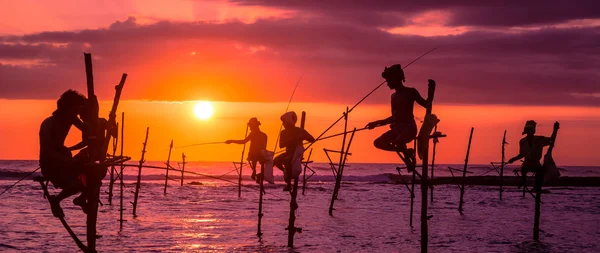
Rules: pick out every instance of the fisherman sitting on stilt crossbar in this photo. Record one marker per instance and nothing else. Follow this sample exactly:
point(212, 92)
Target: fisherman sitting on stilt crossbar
point(291, 138)
point(403, 128)
point(58, 166)
point(258, 148)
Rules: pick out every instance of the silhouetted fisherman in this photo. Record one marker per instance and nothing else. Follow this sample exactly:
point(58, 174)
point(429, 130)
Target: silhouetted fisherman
point(291, 138)
point(56, 161)
point(403, 128)
point(530, 148)
point(258, 147)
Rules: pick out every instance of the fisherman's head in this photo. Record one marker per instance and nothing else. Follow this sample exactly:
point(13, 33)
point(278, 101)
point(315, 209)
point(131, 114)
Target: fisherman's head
point(70, 103)
point(394, 76)
point(529, 128)
point(253, 123)
point(289, 119)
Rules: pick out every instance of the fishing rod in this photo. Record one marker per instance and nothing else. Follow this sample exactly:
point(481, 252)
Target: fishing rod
point(286, 110)
point(368, 94)
point(189, 172)
point(23, 178)
point(199, 144)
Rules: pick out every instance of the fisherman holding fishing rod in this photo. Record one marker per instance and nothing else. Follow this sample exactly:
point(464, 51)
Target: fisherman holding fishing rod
point(258, 147)
point(291, 138)
point(403, 128)
point(531, 148)
point(56, 161)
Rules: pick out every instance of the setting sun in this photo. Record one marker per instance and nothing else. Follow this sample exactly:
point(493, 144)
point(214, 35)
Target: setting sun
point(203, 110)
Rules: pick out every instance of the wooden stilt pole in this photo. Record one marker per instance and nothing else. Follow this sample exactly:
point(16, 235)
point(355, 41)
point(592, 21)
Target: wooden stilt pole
point(242, 165)
point(95, 146)
point(502, 166)
point(121, 185)
point(338, 176)
point(260, 199)
point(435, 141)
point(292, 229)
point(112, 171)
point(305, 167)
point(182, 167)
point(462, 188)
point(168, 166)
point(539, 182)
point(139, 176)
point(424, 180)
point(412, 188)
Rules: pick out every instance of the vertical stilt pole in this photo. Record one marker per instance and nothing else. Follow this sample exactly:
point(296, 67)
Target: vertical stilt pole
point(424, 180)
point(305, 167)
point(539, 182)
point(112, 171)
point(93, 187)
point(260, 199)
point(139, 176)
point(121, 185)
point(502, 166)
point(182, 167)
point(242, 165)
point(433, 161)
point(168, 166)
point(462, 188)
point(412, 187)
point(338, 176)
point(292, 229)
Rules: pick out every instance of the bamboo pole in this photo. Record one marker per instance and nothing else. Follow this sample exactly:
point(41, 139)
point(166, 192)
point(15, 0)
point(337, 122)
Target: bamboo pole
point(433, 161)
point(93, 191)
point(424, 180)
point(242, 165)
point(305, 167)
point(502, 166)
point(260, 198)
point(412, 186)
point(462, 188)
point(182, 167)
point(139, 176)
point(539, 182)
point(292, 229)
point(112, 171)
point(168, 167)
point(121, 185)
point(338, 176)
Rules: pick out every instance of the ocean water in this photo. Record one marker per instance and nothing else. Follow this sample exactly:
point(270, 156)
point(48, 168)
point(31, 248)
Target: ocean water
point(372, 215)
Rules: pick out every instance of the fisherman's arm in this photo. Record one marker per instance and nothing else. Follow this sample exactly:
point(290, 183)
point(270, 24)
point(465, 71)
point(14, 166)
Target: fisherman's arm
point(78, 146)
point(378, 123)
point(419, 99)
point(308, 137)
point(244, 141)
point(284, 139)
point(519, 156)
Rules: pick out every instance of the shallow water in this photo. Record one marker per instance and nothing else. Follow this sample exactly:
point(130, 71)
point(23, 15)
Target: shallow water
point(369, 217)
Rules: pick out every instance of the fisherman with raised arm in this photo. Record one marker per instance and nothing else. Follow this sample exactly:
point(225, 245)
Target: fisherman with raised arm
point(403, 128)
point(291, 138)
point(530, 148)
point(258, 147)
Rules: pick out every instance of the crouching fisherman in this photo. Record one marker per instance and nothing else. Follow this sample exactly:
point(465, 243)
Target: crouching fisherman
point(56, 161)
point(258, 147)
point(291, 138)
point(403, 128)
point(531, 148)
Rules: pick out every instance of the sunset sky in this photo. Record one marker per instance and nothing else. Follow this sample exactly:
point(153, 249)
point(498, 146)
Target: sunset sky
point(499, 65)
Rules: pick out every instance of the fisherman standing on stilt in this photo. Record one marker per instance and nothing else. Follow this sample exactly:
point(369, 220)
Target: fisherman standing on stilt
point(291, 138)
point(403, 128)
point(56, 161)
point(258, 147)
point(530, 148)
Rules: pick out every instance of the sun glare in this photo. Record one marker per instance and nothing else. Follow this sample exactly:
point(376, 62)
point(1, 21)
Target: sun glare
point(203, 110)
